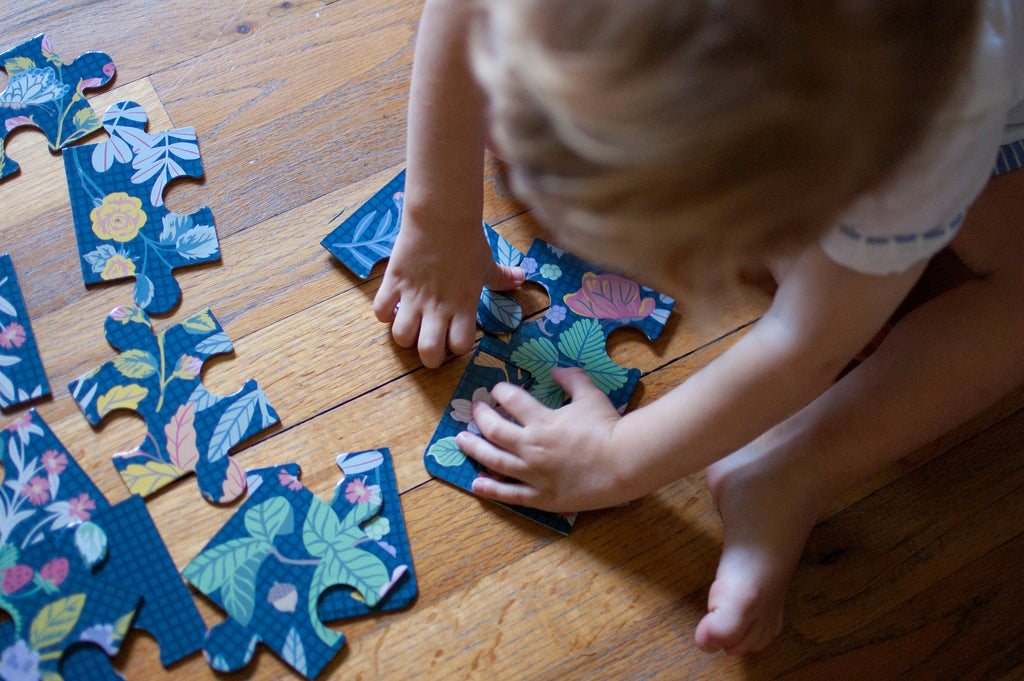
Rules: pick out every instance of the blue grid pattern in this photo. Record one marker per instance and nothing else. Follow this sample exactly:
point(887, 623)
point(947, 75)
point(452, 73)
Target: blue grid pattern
point(22, 378)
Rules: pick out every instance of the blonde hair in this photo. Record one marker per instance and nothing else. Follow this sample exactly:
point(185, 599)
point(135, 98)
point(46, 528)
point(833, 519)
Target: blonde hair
point(654, 135)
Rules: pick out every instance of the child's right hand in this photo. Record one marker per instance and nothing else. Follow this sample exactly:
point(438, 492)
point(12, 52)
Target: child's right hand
point(433, 281)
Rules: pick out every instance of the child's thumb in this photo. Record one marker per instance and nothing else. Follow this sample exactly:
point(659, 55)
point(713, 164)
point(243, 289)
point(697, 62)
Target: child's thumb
point(504, 278)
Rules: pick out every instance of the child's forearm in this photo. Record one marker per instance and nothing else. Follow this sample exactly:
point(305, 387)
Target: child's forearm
point(447, 123)
point(822, 315)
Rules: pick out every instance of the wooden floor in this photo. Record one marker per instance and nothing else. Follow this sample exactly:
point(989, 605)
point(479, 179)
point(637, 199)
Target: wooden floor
point(300, 111)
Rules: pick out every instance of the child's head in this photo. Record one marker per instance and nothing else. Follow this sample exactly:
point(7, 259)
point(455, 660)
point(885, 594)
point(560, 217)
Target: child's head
point(656, 134)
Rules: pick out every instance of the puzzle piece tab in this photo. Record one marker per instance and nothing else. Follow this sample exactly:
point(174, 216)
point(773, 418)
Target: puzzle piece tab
point(287, 559)
point(122, 225)
point(188, 428)
point(586, 305)
point(368, 235)
point(44, 92)
point(45, 499)
point(22, 378)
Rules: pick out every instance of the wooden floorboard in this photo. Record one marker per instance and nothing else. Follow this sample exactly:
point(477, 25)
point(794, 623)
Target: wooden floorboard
point(300, 111)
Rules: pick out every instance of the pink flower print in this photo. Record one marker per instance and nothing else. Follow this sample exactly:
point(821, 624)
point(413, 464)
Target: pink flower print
point(37, 490)
point(609, 296)
point(188, 367)
point(87, 83)
point(55, 571)
point(121, 313)
point(108, 69)
point(12, 336)
point(80, 508)
point(462, 409)
point(23, 422)
point(15, 121)
point(54, 462)
point(358, 492)
point(289, 481)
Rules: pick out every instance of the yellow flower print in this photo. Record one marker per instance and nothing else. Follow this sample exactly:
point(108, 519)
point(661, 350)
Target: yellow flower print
point(117, 267)
point(118, 218)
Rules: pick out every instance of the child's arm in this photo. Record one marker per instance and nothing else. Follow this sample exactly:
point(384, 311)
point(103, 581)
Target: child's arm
point(441, 258)
point(585, 456)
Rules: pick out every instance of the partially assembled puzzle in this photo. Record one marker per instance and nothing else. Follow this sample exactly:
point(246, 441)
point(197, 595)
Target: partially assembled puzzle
point(288, 561)
point(22, 378)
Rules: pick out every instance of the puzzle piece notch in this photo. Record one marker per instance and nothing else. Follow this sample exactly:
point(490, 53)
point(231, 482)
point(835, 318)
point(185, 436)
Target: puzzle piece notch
point(44, 92)
point(122, 226)
point(586, 305)
point(280, 558)
point(60, 600)
point(188, 428)
point(368, 235)
point(22, 378)
point(46, 493)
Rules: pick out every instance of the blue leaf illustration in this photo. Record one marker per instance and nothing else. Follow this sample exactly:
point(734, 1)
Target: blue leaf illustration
point(216, 344)
point(369, 243)
point(504, 252)
point(498, 313)
point(198, 242)
point(173, 225)
point(293, 652)
point(232, 426)
point(143, 294)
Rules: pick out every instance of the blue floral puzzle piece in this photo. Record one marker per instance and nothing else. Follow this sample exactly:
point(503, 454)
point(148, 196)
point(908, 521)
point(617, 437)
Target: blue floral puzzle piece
point(44, 92)
point(368, 235)
point(122, 225)
point(45, 492)
point(61, 597)
point(22, 378)
point(272, 563)
point(586, 305)
point(188, 428)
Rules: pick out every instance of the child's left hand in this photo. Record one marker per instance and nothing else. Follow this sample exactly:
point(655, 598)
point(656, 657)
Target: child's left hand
point(564, 459)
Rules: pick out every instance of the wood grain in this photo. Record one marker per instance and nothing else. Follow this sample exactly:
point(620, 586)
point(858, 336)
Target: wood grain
point(300, 111)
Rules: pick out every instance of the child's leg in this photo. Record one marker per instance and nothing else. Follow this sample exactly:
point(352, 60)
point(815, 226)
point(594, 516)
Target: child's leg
point(940, 365)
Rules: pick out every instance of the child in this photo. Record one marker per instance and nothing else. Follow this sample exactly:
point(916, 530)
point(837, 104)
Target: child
point(839, 142)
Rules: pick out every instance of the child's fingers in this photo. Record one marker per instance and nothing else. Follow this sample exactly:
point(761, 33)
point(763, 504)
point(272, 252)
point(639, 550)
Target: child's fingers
point(385, 303)
point(575, 381)
point(504, 278)
point(489, 455)
point(496, 428)
point(433, 335)
point(523, 406)
point(516, 494)
point(462, 333)
point(406, 325)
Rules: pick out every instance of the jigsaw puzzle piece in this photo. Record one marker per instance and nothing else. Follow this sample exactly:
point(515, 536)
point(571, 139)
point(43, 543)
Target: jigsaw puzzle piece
point(368, 235)
point(443, 459)
point(44, 92)
point(269, 566)
point(22, 378)
point(62, 599)
point(121, 223)
point(45, 493)
point(586, 305)
point(188, 428)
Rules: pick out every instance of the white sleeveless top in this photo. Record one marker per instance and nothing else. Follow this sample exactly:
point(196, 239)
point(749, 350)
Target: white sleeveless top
point(918, 211)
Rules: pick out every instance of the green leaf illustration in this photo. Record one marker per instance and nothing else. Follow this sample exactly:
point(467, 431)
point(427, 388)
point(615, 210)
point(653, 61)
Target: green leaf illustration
point(447, 453)
point(8, 556)
point(18, 64)
point(238, 592)
point(91, 542)
point(537, 355)
point(270, 519)
point(321, 529)
point(583, 344)
point(137, 364)
point(213, 567)
point(55, 621)
point(293, 652)
point(359, 569)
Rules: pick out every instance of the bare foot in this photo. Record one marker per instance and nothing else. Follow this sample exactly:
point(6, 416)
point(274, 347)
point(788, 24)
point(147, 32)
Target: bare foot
point(766, 518)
